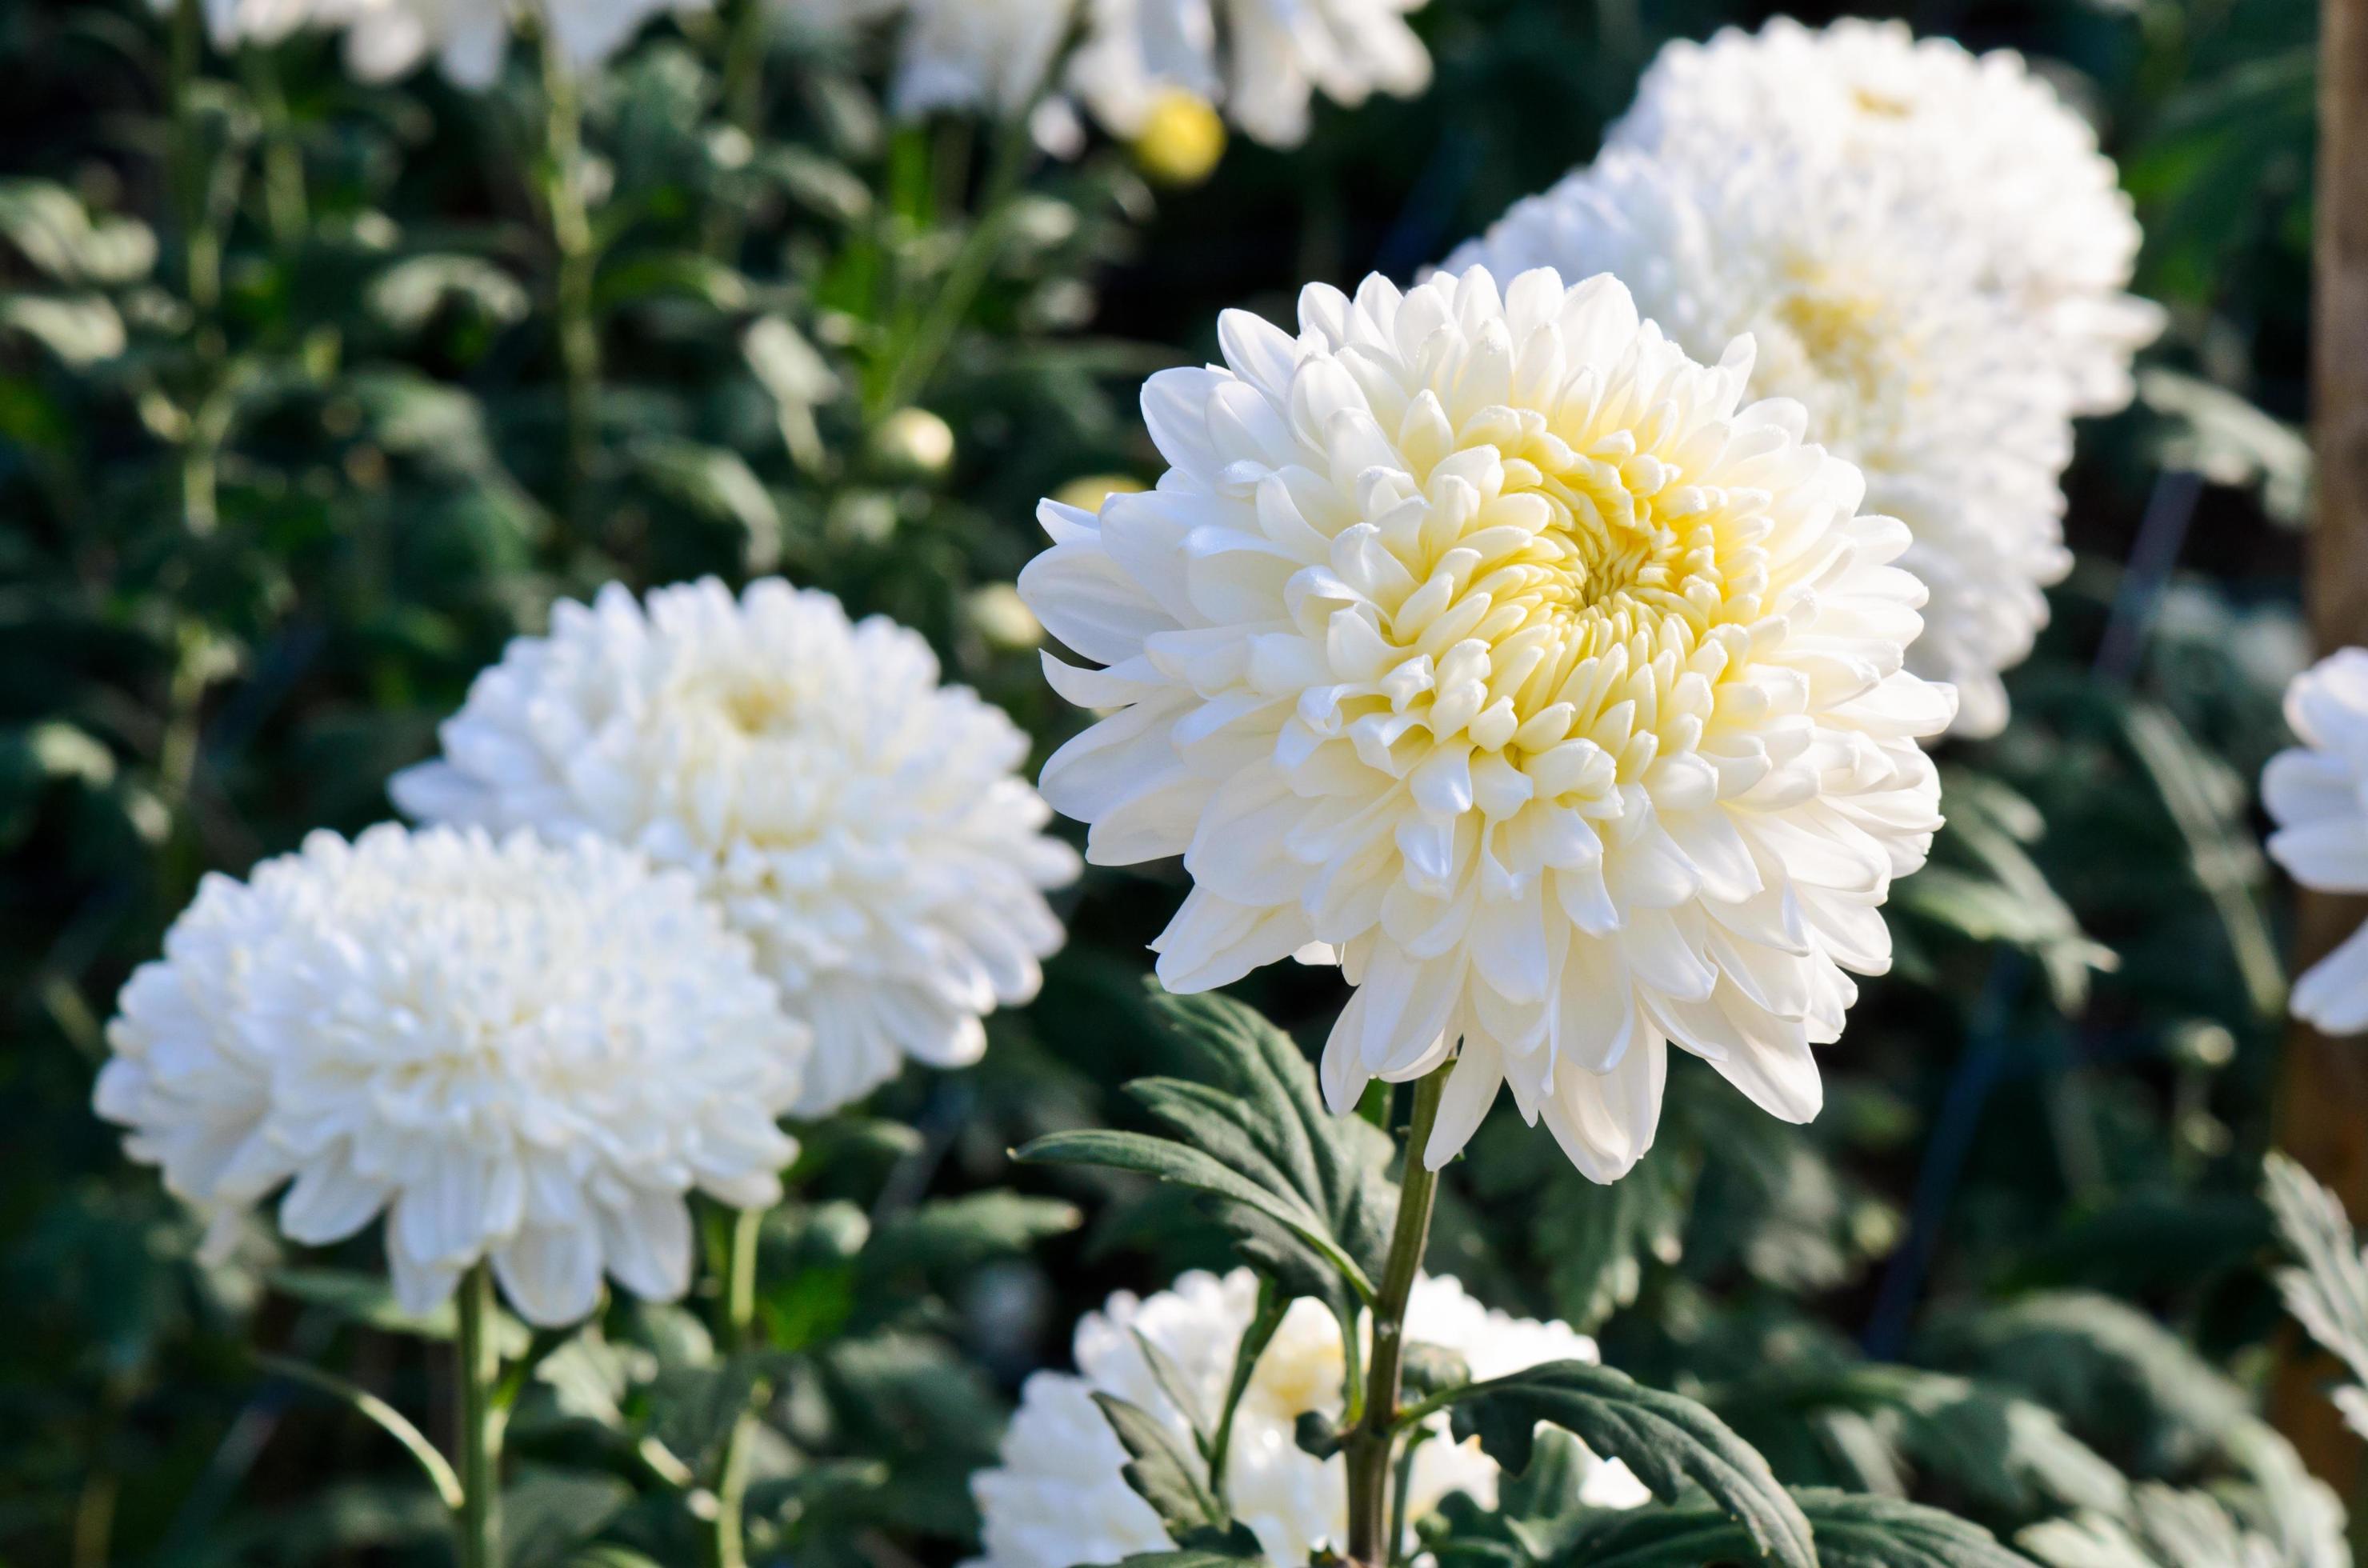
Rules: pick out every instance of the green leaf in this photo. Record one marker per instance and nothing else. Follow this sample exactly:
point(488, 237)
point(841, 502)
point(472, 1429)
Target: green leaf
point(82, 330)
point(1230, 1553)
point(547, 1513)
point(1303, 1192)
point(51, 229)
point(717, 484)
point(368, 1299)
point(408, 295)
point(946, 1236)
point(2328, 1294)
point(1595, 1239)
point(2118, 1378)
point(1162, 1473)
point(1667, 1439)
point(1854, 1530)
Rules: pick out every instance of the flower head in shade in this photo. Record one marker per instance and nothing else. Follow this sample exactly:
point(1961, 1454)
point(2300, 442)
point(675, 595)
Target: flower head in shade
point(1492, 642)
point(511, 1050)
point(859, 822)
point(1983, 139)
point(991, 55)
point(1263, 61)
point(1058, 1497)
point(1874, 317)
point(2317, 793)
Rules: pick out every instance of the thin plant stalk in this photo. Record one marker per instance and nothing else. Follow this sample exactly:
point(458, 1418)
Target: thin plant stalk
point(576, 260)
point(972, 265)
point(744, 111)
point(731, 1548)
point(194, 177)
point(478, 1520)
point(1369, 1447)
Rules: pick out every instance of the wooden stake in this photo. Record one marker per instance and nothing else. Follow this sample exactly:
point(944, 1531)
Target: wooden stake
point(2323, 1096)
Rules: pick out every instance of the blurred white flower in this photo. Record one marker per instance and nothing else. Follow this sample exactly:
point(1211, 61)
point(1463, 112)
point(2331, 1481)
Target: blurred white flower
point(860, 824)
point(2317, 793)
point(513, 1050)
point(467, 39)
point(988, 55)
point(1985, 139)
point(1272, 57)
point(1494, 643)
point(1874, 318)
point(1058, 1497)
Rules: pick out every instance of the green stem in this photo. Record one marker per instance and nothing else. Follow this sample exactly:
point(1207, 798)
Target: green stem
point(739, 1336)
point(576, 260)
point(1369, 1447)
point(968, 275)
point(192, 179)
point(744, 111)
point(478, 1520)
point(284, 198)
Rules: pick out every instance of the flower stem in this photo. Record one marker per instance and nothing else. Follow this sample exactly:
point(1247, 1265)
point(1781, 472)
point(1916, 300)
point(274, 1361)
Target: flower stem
point(1369, 1447)
point(739, 1336)
point(576, 260)
point(479, 1517)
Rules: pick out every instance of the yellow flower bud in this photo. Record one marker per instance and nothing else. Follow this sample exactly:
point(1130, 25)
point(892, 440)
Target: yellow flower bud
point(1181, 140)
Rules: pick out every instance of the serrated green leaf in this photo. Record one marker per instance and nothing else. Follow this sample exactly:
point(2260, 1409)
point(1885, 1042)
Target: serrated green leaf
point(1854, 1530)
point(718, 483)
point(2328, 1294)
point(408, 294)
point(1667, 1439)
point(1303, 1192)
point(51, 229)
point(546, 1513)
point(946, 1236)
point(368, 1299)
point(1162, 1473)
point(81, 329)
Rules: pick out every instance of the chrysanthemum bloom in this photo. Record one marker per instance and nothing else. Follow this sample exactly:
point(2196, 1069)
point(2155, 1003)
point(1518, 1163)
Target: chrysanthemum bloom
point(513, 1052)
point(860, 824)
point(1058, 1497)
point(2318, 793)
point(467, 39)
point(1262, 60)
point(1986, 140)
point(1498, 645)
point(991, 55)
point(1870, 316)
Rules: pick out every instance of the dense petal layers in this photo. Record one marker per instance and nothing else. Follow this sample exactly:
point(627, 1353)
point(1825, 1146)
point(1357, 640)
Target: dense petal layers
point(861, 823)
point(515, 1051)
point(1870, 311)
point(1985, 139)
point(1058, 1498)
point(2317, 793)
point(1489, 640)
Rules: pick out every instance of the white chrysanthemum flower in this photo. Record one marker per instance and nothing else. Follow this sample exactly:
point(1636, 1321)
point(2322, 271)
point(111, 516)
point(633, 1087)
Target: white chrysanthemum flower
point(1875, 321)
point(1498, 645)
point(467, 39)
point(1272, 58)
point(2317, 793)
point(1986, 140)
point(1059, 1498)
point(514, 1052)
point(990, 55)
point(860, 824)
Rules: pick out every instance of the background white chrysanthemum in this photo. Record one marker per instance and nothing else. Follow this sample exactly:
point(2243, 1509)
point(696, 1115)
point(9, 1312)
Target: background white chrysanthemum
point(514, 1052)
point(1058, 1498)
point(862, 825)
point(2317, 793)
point(1493, 643)
point(466, 39)
point(1262, 61)
point(1986, 142)
point(1873, 314)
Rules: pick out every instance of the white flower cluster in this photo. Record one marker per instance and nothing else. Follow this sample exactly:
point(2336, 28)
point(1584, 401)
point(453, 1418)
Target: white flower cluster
point(1930, 252)
point(1261, 61)
point(385, 39)
point(514, 1052)
point(861, 825)
point(1059, 1498)
point(1492, 644)
point(2318, 793)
